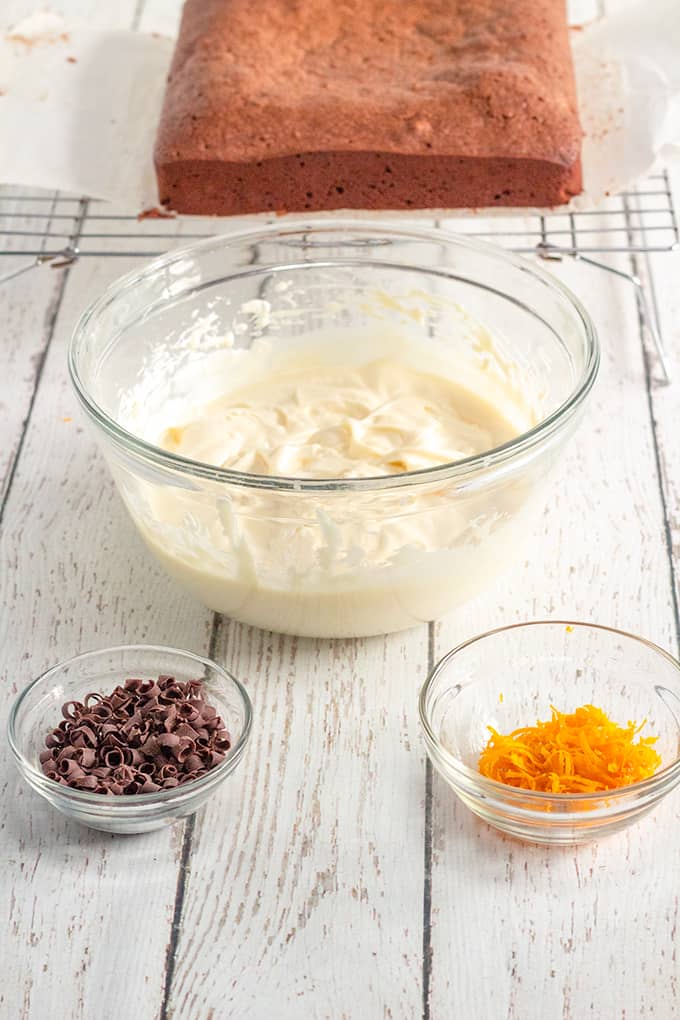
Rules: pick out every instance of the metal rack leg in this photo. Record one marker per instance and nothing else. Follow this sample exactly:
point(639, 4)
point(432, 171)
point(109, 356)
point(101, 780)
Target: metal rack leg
point(551, 251)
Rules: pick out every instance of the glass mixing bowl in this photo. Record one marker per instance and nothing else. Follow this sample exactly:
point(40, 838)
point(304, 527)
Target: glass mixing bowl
point(510, 678)
point(333, 557)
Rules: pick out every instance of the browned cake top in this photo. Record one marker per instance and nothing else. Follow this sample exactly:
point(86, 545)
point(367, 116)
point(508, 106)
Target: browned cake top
point(252, 79)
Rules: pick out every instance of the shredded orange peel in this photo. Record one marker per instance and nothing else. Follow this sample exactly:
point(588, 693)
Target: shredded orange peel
point(578, 752)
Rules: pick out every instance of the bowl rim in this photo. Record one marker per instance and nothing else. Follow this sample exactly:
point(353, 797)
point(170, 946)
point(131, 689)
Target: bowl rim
point(459, 469)
point(127, 805)
point(505, 790)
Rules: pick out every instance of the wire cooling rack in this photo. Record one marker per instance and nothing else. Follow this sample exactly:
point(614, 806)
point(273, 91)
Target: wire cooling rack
point(38, 228)
point(50, 224)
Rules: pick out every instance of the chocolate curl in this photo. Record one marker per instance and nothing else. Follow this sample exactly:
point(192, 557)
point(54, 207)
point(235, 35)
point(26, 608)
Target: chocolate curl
point(149, 689)
point(70, 769)
point(147, 768)
point(113, 757)
point(45, 756)
point(91, 699)
point(71, 710)
point(185, 748)
point(102, 772)
point(192, 763)
point(170, 694)
point(171, 783)
point(222, 740)
point(167, 771)
point(209, 717)
point(134, 719)
point(168, 741)
point(150, 706)
point(133, 685)
point(55, 738)
point(114, 739)
point(215, 758)
point(119, 699)
point(134, 787)
point(86, 783)
point(123, 774)
point(101, 712)
point(136, 757)
point(134, 735)
point(151, 747)
point(184, 730)
point(170, 720)
point(187, 711)
point(148, 786)
point(85, 756)
point(83, 736)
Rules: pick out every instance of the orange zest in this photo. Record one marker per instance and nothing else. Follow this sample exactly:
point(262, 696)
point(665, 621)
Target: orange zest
point(578, 752)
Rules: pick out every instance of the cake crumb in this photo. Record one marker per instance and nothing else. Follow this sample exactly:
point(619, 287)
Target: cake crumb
point(156, 213)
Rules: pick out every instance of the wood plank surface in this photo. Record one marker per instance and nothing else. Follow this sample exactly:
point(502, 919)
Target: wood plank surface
point(555, 929)
point(88, 916)
point(304, 898)
point(334, 876)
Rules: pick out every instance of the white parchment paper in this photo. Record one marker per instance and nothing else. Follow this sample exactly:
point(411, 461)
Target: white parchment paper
point(78, 108)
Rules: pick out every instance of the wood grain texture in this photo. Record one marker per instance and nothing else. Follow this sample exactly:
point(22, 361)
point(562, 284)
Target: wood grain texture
point(88, 916)
point(302, 891)
point(304, 897)
point(660, 275)
point(552, 924)
point(76, 576)
point(28, 307)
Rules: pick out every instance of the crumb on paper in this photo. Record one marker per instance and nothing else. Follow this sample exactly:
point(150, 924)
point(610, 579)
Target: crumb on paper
point(37, 40)
point(67, 419)
point(500, 698)
point(71, 60)
point(570, 629)
point(156, 213)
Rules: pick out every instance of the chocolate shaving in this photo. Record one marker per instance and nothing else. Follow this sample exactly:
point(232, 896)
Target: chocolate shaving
point(147, 735)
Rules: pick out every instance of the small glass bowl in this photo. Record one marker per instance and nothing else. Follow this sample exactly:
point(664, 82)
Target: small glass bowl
point(511, 677)
point(37, 710)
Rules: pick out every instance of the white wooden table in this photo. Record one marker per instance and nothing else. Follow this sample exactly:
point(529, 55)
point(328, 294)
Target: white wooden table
point(335, 877)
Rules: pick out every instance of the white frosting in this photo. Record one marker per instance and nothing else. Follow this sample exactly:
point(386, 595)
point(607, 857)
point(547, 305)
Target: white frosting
point(338, 563)
point(328, 421)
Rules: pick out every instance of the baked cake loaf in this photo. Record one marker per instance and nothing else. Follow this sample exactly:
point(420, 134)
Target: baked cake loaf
point(278, 105)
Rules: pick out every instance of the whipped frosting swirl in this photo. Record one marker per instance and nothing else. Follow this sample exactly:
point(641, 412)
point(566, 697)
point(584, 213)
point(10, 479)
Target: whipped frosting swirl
point(382, 417)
